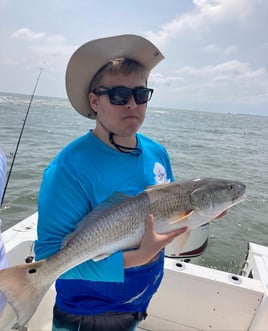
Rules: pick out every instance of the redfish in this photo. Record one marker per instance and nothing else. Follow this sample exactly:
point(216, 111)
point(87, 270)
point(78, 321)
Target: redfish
point(119, 224)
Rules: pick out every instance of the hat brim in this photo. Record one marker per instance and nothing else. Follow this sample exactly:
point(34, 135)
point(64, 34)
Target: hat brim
point(88, 59)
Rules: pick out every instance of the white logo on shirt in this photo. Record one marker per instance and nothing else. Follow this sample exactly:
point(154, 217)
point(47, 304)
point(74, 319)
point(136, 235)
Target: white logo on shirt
point(160, 174)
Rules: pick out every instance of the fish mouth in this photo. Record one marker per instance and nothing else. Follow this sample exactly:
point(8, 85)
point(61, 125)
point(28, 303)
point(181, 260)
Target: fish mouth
point(242, 198)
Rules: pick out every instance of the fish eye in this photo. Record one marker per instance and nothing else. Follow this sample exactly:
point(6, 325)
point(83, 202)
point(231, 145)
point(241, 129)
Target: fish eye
point(230, 186)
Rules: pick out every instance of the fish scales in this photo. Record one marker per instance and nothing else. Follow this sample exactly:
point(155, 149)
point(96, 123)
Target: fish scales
point(172, 200)
point(102, 233)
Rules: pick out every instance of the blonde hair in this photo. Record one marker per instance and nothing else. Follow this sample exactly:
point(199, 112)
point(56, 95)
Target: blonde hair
point(121, 65)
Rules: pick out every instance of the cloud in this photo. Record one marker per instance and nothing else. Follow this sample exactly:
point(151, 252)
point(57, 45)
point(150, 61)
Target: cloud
point(206, 3)
point(218, 54)
point(51, 51)
point(233, 81)
point(205, 15)
point(28, 35)
point(215, 49)
point(161, 80)
point(5, 59)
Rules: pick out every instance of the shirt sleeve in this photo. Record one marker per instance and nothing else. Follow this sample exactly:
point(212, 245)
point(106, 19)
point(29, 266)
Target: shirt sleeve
point(62, 203)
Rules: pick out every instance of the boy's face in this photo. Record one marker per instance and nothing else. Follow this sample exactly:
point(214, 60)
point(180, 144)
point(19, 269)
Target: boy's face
point(123, 120)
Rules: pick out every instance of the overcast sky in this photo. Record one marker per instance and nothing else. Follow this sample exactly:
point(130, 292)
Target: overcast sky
point(216, 51)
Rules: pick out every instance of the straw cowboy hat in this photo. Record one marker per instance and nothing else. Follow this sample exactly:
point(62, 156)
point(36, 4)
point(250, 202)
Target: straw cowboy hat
point(88, 59)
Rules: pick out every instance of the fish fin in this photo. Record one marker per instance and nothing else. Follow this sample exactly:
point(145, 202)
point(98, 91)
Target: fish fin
point(159, 186)
point(114, 199)
point(96, 213)
point(21, 285)
point(100, 257)
point(181, 216)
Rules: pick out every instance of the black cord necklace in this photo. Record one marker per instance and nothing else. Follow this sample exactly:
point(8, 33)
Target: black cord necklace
point(124, 149)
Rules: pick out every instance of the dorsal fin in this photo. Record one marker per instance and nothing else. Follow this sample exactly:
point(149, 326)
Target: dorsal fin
point(158, 186)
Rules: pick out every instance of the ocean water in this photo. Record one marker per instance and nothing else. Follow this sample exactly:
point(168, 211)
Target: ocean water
point(200, 144)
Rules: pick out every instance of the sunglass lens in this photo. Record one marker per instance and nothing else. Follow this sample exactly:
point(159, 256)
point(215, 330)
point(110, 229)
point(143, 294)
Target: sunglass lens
point(142, 95)
point(120, 95)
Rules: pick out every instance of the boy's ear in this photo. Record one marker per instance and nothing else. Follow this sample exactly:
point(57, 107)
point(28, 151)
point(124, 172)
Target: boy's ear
point(93, 100)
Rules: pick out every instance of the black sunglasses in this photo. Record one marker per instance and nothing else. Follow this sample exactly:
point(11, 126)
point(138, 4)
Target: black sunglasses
point(120, 95)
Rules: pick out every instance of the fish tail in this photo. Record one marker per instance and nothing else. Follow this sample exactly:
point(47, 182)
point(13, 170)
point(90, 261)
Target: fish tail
point(24, 287)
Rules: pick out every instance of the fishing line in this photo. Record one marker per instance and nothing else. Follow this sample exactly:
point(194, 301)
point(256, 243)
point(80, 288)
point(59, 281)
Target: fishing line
point(21, 132)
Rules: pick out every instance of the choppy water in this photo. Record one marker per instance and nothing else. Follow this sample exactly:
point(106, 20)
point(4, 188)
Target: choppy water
point(200, 144)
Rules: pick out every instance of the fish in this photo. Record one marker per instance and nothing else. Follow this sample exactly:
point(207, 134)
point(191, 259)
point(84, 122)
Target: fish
point(119, 224)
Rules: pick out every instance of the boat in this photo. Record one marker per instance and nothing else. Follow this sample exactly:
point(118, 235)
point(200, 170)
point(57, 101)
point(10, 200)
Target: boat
point(190, 298)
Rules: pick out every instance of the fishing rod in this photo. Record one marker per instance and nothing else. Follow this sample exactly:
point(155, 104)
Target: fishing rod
point(21, 132)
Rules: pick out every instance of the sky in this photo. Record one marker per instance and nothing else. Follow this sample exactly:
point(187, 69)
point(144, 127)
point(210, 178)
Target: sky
point(216, 51)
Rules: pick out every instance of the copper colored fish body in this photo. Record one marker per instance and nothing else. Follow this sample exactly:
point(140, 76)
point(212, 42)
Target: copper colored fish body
point(119, 224)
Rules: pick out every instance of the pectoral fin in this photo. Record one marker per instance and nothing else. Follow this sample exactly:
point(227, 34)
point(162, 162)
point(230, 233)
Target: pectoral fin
point(181, 216)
